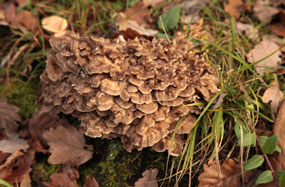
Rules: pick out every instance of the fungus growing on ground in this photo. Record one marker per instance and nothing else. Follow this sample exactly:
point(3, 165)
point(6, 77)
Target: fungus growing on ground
point(136, 90)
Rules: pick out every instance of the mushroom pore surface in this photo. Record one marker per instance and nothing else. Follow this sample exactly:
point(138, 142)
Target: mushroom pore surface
point(136, 90)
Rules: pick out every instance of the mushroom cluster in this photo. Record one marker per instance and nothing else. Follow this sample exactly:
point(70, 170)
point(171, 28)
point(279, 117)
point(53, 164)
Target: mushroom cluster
point(136, 90)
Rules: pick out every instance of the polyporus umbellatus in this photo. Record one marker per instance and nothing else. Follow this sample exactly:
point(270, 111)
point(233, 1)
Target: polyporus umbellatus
point(136, 89)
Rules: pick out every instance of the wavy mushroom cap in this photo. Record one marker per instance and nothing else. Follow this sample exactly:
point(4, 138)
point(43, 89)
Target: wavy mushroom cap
point(136, 89)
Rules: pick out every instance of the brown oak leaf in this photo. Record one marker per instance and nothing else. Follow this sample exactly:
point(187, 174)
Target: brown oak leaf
point(226, 175)
point(148, 179)
point(67, 144)
point(42, 120)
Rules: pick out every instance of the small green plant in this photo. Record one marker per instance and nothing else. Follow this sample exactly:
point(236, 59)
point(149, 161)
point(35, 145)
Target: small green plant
point(268, 146)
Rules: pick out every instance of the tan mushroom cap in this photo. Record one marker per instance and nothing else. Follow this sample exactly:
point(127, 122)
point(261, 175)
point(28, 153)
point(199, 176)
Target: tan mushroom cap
point(137, 89)
point(112, 87)
point(148, 108)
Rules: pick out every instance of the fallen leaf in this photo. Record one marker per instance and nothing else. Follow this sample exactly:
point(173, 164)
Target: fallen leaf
point(42, 120)
point(67, 144)
point(279, 129)
point(261, 50)
point(54, 24)
point(26, 19)
point(226, 175)
point(90, 182)
point(278, 29)
point(123, 23)
point(13, 143)
point(66, 178)
point(8, 115)
point(17, 166)
point(236, 7)
point(148, 179)
point(263, 12)
point(139, 13)
point(246, 29)
point(273, 95)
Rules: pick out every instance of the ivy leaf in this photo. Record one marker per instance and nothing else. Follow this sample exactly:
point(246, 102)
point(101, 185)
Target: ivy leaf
point(253, 162)
point(269, 145)
point(264, 177)
point(169, 19)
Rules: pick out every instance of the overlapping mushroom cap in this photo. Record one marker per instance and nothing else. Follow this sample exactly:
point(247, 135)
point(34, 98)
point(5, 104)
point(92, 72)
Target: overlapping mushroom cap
point(136, 89)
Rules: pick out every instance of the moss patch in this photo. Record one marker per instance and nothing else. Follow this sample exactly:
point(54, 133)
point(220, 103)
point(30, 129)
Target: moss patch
point(41, 171)
point(113, 166)
point(22, 95)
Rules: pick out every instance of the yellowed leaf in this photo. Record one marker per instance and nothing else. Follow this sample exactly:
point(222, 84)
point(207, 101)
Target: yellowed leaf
point(262, 50)
point(54, 24)
point(273, 95)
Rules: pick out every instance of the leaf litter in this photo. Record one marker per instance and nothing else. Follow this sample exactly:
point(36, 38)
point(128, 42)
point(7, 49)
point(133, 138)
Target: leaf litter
point(266, 48)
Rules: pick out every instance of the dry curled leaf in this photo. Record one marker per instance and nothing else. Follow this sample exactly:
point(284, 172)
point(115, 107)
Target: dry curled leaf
point(17, 166)
point(262, 50)
point(67, 144)
point(273, 95)
point(66, 178)
point(90, 182)
point(148, 179)
point(54, 24)
point(236, 7)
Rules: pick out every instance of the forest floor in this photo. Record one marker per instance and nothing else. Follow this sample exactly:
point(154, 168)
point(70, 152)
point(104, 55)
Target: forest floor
point(238, 138)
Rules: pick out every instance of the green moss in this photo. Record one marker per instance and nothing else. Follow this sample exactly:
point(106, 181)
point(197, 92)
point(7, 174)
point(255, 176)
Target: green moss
point(41, 171)
point(113, 166)
point(22, 95)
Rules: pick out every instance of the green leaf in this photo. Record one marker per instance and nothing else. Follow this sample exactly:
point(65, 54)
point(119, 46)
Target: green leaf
point(264, 177)
point(169, 19)
point(4, 183)
point(238, 127)
point(253, 162)
point(265, 142)
point(248, 139)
